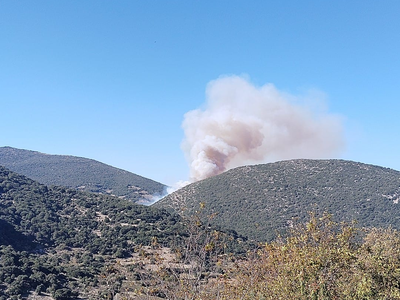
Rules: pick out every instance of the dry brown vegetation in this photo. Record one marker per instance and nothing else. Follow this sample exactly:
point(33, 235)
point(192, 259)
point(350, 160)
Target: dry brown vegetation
point(320, 259)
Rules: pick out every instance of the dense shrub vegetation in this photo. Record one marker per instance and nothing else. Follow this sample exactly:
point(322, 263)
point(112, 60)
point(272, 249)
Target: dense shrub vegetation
point(262, 200)
point(44, 229)
point(322, 260)
point(65, 244)
point(62, 242)
point(318, 260)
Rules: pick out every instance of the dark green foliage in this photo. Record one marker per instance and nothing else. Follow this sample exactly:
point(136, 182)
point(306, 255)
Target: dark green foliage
point(58, 241)
point(36, 220)
point(261, 201)
point(21, 272)
point(62, 294)
point(79, 173)
point(53, 216)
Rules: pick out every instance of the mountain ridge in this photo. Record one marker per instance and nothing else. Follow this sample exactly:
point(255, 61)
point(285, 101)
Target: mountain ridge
point(80, 173)
point(261, 201)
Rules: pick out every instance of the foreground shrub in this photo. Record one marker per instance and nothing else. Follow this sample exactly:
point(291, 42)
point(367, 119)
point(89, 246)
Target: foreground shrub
point(320, 260)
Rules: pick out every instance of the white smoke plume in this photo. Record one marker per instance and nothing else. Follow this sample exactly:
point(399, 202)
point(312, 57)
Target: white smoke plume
point(167, 190)
point(244, 124)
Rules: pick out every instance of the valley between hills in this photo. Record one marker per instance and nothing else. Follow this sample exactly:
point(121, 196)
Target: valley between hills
point(74, 228)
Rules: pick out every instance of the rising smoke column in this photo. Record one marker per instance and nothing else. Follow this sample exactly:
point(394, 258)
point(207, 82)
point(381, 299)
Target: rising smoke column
point(243, 124)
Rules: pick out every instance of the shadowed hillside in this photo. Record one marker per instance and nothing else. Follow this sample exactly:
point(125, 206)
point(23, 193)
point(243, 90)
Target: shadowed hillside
point(261, 201)
point(80, 173)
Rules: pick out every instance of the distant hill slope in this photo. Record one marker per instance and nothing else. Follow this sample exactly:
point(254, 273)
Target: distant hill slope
point(79, 173)
point(259, 201)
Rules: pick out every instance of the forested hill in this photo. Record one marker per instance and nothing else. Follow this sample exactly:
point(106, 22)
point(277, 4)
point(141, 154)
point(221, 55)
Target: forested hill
point(66, 243)
point(80, 173)
point(50, 216)
point(259, 201)
point(58, 241)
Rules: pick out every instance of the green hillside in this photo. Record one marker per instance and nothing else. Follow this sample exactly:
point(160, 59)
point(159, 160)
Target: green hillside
point(80, 173)
point(65, 243)
point(261, 201)
point(58, 240)
point(58, 243)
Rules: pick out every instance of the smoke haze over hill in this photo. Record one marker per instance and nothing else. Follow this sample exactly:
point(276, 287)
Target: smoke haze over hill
point(244, 124)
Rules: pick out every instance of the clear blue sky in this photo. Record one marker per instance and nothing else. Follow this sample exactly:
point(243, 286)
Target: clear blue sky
point(112, 80)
